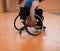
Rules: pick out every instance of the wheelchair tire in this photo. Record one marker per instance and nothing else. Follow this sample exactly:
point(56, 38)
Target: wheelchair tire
point(26, 27)
point(15, 23)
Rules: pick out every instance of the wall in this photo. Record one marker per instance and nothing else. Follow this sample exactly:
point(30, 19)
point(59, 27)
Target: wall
point(1, 6)
point(50, 5)
point(13, 5)
point(8, 5)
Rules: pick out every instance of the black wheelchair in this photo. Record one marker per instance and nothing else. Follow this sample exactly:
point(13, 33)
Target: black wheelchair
point(24, 15)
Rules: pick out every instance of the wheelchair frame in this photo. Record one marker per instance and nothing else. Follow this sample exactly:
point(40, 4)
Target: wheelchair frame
point(24, 13)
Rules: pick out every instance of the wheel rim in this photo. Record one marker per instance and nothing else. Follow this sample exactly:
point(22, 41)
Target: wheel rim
point(32, 30)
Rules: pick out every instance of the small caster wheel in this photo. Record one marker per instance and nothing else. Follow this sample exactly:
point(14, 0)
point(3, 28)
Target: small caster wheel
point(44, 28)
point(20, 31)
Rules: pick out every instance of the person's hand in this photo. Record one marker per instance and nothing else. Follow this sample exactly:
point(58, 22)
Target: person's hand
point(31, 22)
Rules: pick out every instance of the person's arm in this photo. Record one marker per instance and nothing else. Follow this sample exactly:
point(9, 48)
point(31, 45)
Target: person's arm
point(32, 13)
point(32, 10)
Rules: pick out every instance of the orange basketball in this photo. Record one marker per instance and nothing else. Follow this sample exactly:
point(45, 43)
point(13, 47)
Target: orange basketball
point(30, 21)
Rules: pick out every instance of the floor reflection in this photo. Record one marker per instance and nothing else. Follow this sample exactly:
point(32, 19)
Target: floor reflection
point(33, 43)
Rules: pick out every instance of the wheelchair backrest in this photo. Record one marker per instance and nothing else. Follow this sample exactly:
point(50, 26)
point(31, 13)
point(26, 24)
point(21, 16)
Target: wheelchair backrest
point(24, 11)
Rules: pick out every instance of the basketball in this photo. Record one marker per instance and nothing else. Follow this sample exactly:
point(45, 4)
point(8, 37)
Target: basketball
point(30, 23)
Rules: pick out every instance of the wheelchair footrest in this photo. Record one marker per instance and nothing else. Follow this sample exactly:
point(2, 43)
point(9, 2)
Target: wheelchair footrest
point(37, 27)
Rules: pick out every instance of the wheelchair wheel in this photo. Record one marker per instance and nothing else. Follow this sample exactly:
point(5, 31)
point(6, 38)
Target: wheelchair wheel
point(17, 23)
point(32, 30)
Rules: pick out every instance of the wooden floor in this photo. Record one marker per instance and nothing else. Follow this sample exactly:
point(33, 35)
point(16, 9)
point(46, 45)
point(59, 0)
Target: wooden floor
point(10, 40)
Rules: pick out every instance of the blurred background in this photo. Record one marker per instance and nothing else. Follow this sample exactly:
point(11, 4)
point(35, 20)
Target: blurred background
point(47, 5)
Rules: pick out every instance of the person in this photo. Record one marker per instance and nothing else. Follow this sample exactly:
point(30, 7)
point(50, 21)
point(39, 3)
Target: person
point(31, 4)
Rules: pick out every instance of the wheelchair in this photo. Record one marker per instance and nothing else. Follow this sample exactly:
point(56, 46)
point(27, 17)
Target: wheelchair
point(24, 15)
